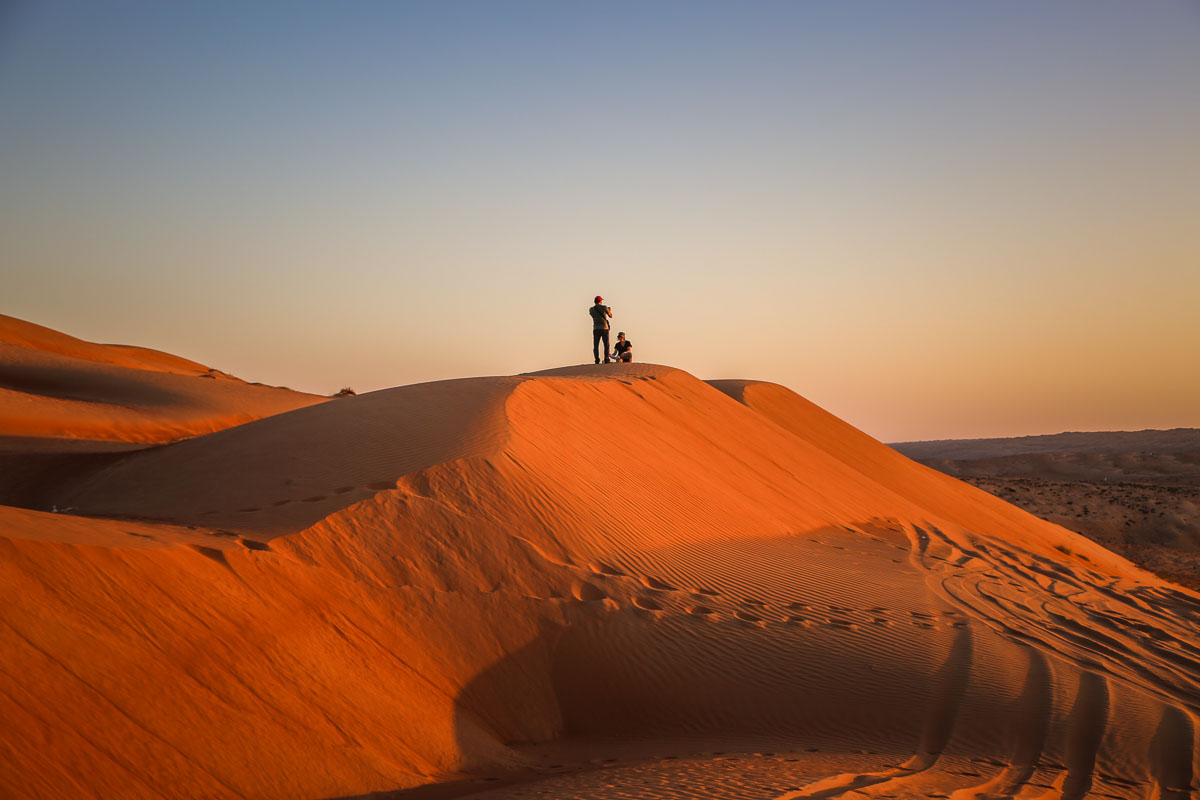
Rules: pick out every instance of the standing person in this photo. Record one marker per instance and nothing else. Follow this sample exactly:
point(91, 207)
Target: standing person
point(600, 314)
point(623, 349)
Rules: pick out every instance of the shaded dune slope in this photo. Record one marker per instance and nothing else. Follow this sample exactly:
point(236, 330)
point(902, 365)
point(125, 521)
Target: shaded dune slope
point(56, 386)
point(611, 563)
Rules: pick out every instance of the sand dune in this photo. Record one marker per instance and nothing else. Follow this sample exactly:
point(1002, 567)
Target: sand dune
point(614, 581)
point(54, 385)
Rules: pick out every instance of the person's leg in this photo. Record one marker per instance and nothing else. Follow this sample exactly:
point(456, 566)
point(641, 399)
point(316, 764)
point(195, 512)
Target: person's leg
point(607, 349)
point(596, 344)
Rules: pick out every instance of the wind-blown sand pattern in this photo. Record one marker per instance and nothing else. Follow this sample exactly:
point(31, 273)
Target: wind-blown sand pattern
point(614, 582)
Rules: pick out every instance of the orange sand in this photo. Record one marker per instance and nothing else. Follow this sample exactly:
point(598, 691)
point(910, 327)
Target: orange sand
point(613, 581)
point(54, 385)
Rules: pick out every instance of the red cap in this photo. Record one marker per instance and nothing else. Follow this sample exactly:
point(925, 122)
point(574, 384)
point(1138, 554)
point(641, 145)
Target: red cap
point(599, 299)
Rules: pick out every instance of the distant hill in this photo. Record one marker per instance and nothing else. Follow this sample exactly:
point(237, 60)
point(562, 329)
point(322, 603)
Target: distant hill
point(1174, 440)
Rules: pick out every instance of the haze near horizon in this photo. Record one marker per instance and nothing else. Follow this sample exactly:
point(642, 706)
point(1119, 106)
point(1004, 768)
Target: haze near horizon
point(935, 220)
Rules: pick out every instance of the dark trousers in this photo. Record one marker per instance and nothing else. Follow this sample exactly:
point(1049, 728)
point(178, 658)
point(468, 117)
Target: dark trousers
point(596, 337)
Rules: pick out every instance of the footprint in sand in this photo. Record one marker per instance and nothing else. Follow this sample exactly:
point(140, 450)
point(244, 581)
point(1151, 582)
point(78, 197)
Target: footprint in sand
point(656, 584)
point(316, 498)
point(380, 486)
point(211, 553)
point(248, 510)
point(600, 568)
point(279, 503)
point(701, 610)
point(251, 544)
point(746, 616)
point(646, 604)
point(587, 592)
point(542, 553)
point(705, 592)
point(343, 489)
point(841, 625)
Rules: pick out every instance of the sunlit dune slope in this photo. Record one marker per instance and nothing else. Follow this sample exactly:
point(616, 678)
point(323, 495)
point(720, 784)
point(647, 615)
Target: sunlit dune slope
point(929, 489)
point(54, 385)
point(621, 564)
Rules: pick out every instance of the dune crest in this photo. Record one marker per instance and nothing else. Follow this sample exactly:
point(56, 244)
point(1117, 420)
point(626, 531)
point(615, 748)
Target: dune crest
point(611, 581)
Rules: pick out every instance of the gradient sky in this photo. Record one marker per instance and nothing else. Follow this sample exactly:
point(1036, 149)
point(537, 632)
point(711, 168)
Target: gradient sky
point(935, 219)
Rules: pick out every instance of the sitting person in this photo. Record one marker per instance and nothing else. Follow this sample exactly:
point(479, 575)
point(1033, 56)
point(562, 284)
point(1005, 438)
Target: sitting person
point(623, 351)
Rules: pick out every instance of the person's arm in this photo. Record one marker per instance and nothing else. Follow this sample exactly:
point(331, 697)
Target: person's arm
point(609, 310)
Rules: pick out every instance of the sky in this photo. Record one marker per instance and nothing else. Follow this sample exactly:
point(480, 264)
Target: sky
point(936, 219)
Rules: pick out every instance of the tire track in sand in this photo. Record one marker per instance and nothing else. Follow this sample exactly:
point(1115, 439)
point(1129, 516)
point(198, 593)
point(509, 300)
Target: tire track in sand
point(1086, 726)
point(950, 684)
point(1027, 736)
point(1171, 754)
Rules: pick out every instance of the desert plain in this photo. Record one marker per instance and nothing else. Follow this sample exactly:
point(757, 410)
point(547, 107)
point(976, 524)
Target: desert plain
point(612, 581)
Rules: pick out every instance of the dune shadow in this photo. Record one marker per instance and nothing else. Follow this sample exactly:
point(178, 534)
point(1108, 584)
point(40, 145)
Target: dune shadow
point(448, 790)
point(93, 386)
point(511, 702)
point(627, 676)
point(33, 471)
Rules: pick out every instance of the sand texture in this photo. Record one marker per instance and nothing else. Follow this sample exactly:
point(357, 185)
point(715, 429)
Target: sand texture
point(616, 581)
